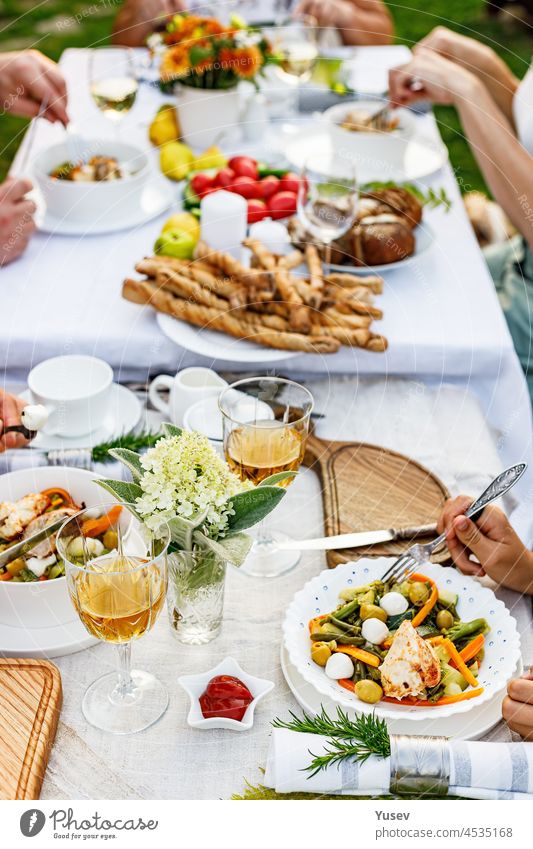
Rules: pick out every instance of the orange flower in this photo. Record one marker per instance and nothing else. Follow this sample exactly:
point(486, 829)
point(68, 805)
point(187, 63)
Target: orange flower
point(175, 63)
point(247, 61)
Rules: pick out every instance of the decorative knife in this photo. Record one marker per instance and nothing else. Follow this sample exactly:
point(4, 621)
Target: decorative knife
point(356, 540)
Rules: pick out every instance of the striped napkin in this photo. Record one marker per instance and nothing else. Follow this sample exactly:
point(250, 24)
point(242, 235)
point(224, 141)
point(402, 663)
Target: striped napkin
point(477, 770)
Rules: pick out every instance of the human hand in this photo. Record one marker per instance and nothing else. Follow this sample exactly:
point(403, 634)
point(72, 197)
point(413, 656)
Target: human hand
point(137, 19)
point(328, 13)
point(517, 708)
point(10, 410)
point(439, 80)
point(29, 79)
point(16, 218)
point(448, 43)
point(501, 553)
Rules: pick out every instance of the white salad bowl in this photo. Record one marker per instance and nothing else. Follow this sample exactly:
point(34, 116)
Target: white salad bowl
point(44, 604)
point(321, 595)
point(194, 686)
point(87, 202)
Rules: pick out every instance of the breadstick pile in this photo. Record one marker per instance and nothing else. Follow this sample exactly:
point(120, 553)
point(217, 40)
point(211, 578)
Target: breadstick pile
point(266, 303)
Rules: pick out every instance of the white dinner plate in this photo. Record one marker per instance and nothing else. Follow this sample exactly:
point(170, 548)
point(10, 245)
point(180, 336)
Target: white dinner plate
point(475, 725)
point(216, 345)
point(424, 240)
point(56, 641)
point(416, 158)
point(124, 414)
point(156, 198)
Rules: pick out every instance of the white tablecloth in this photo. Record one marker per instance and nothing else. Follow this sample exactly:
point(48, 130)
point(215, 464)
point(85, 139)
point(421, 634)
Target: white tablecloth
point(442, 317)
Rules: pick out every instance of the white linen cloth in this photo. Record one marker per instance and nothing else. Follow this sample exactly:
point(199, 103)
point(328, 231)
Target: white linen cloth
point(477, 770)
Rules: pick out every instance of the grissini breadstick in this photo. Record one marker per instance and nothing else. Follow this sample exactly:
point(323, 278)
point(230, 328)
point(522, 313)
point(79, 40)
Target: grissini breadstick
point(224, 261)
point(338, 319)
point(290, 261)
point(316, 278)
point(377, 343)
point(219, 286)
point(358, 307)
point(342, 279)
point(266, 259)
point(146, 292)
point(299, 313)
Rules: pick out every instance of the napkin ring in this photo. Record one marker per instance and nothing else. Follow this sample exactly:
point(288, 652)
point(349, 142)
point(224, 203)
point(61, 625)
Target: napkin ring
point(419, 765)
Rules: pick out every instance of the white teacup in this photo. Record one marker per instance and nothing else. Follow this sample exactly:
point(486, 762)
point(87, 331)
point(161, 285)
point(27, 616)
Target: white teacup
point(76, 391)
point(186, 388)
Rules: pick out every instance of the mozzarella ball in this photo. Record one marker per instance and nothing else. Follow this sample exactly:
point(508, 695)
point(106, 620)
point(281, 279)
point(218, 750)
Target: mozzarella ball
point(394, 604)
point(34, 416)
point(374, 631)
point(339, 666)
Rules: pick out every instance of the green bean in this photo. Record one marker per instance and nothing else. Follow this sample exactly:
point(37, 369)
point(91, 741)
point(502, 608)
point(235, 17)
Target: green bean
point(343, 639)
point(346, 609)
point(344, 626)
point(359, 671)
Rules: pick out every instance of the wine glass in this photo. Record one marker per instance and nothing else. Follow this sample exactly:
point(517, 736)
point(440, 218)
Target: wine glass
point(296, 44)
point(113, 81)
point(266, 422)
point(328, 197)
point(118, 596)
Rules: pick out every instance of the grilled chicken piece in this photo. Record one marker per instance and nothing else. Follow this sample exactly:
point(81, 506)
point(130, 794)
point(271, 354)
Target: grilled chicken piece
point(411, 665)
point(47, 546)
point(15, 516)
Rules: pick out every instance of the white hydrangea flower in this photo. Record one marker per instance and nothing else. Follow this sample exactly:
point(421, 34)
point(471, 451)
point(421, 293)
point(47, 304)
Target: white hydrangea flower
point(184, 476)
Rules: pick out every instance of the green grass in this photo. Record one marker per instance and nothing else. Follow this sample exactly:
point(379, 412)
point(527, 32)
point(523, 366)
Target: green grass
point(41, 24)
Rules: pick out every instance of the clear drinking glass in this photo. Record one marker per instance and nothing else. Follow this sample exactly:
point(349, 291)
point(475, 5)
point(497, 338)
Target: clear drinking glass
point(296, 43)
point(328, 197)
point(266, 422)
point(118, 596)
point(113, 81)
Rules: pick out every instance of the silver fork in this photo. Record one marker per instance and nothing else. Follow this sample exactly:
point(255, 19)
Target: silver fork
point(409, 561)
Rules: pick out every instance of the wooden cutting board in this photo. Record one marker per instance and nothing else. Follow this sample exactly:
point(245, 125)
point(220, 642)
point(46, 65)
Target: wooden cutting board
point(366, 488)
point(30, 702)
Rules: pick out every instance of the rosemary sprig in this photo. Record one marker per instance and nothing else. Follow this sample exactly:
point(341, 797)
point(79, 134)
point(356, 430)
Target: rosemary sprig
point(133, 441)
point(431, 198)
point(357, 738)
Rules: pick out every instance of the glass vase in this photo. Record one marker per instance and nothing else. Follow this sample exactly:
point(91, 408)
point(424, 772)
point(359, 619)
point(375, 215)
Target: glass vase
point(195, 596)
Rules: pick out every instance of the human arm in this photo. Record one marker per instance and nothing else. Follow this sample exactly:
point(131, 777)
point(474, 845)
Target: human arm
point(29, 80)
point(10, 410)
point(16, 219)
point(362, 22)
point(491, 539)
point(137, 19)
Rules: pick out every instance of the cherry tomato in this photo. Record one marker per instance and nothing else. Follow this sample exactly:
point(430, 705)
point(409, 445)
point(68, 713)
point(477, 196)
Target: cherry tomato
point(226, 696)
point(246, 187)
point(269, 186)
point(244, 166)
point(227, 685)
point(257, 210)
point(282, 204)
point(230, 708)
point(224, 178)
point(200, 182)
point(290, 183)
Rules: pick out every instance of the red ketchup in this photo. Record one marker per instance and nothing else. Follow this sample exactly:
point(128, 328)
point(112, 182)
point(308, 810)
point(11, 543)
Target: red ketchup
point(226, 696)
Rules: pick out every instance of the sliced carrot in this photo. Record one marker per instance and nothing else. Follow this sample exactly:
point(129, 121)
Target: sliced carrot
point(95, 527)
point(435, 641)
point(445, 700)
point(315, 621)
point(5, 576)
point(66, 497)
point(347, 683)
point(459, 663)
point(43, 578)
point(424, 611)
point(359, 654)
point(472, 649)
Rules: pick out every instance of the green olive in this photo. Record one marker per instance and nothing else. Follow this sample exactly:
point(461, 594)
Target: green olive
point(110, 539)
point(16, 566)
point(368, 691)
point(372, 611)
point(320, 653)
point(444, 620)
point(418, 593)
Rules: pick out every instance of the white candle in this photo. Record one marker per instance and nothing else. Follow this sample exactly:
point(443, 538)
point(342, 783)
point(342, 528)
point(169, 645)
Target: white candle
point(223, 222)
point(272, 234)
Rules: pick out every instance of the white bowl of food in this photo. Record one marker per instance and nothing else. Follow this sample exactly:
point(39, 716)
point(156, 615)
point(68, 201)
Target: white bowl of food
point(84, 179)
point(35, 594)
point(414, 675)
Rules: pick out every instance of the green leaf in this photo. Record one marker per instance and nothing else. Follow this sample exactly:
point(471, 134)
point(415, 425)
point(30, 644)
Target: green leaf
point(181, 531)
point(131, 460)
point(234, 548)
point(252, 506)
point(170, 429)
point(122, 490)
point(279, 476)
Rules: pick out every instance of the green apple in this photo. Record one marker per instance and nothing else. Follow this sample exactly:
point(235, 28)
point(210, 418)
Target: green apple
point(176, 243)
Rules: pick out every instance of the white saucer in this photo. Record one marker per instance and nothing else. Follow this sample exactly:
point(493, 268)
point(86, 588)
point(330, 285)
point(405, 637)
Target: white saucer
point(44, 642)
point(155, 199)
point(125, 412)
point(470, 726)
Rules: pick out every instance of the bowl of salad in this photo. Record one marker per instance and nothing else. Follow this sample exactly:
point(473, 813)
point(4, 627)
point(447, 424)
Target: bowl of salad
point(83, 179)
point(33, 588)
point(435, 645)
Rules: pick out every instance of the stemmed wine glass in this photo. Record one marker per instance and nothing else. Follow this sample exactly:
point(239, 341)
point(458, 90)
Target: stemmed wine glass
point(296, 43)
point(113, 81)
point(328, 198)
point(118, 596)
point(266, 422)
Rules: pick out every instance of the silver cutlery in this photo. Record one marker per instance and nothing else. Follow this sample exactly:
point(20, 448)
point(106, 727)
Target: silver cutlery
point(356, 540)
point(416, 555)
point(26, 545)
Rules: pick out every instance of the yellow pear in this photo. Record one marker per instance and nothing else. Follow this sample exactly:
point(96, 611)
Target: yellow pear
point(176, 160)
point(183, 221)
point(164, 128)
point(210, 158)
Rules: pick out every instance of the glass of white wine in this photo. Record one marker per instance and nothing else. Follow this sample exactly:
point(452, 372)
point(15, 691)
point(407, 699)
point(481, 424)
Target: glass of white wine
point(266, 422)
point(118, 595)
point(113, 81)
point(328, 198)
point(296, 44)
